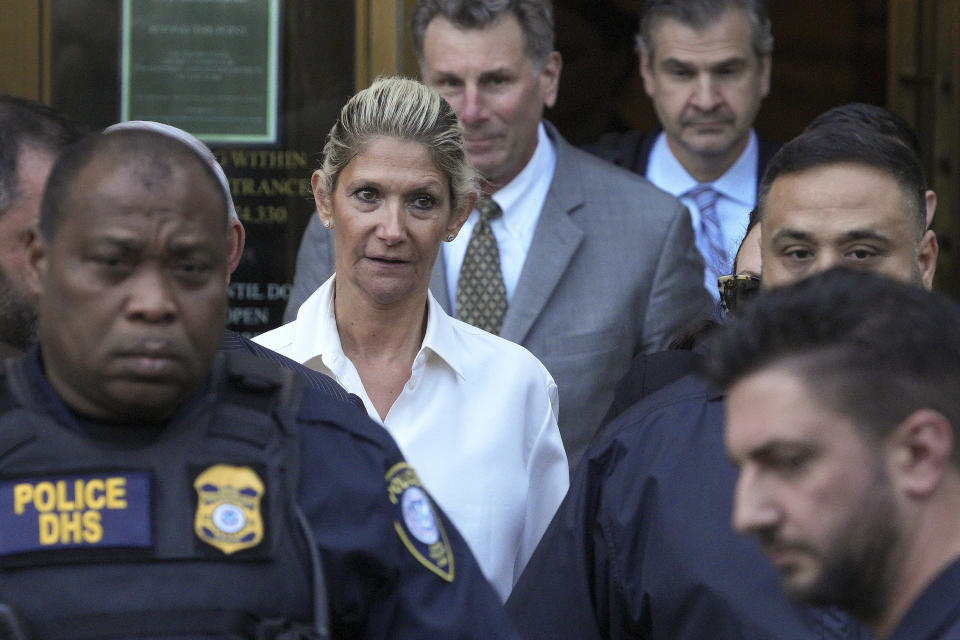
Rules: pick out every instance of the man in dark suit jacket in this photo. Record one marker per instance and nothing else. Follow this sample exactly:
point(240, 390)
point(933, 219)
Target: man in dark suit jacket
point(631, 150)
point(706, 66)
point(597, 263)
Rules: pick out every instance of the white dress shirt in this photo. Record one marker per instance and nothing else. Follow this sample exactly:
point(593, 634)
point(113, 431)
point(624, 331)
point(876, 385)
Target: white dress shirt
point(737, 189)
point(477, 419)
point(521, 201)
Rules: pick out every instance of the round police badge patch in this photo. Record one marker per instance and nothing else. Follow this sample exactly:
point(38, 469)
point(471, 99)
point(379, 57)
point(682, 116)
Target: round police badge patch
point(418, 515)
point(417, 524)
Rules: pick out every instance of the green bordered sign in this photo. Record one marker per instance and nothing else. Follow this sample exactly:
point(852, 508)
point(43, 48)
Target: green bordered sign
point(207, 66)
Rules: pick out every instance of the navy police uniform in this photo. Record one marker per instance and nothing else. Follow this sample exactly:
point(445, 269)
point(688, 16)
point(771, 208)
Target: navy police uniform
point(233, 341)
point(225, 522)
point(935, 615)
point(642, 546)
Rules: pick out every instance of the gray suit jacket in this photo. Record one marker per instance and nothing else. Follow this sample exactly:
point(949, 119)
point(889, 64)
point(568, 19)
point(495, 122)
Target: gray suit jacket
point(612, 270)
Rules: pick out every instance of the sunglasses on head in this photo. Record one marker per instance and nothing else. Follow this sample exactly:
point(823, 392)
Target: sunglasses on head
point(736, 290)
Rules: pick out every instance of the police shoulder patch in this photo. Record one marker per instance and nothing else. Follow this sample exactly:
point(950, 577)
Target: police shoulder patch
point(417, 523)
point(228, 507)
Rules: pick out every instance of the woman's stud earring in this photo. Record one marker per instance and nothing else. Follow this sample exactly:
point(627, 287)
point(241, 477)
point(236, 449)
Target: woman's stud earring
point(450, 237)
point(327, 224)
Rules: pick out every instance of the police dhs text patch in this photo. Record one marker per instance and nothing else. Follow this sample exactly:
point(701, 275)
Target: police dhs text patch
point(75, 511)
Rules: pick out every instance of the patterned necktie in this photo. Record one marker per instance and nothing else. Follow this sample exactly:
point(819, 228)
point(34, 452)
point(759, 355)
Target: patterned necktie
point(706, 199)
point(481, 295)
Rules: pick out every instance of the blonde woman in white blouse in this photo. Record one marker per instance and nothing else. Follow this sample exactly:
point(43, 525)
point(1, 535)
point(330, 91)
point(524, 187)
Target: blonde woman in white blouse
point(476, 415)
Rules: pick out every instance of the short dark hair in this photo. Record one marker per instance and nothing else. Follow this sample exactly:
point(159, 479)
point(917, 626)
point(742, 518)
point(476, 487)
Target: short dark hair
point(535, 18)
point(870, 348)
point(699, 14)
point(851, 141)
point(879, 119)
point(752, 221)
point(25, 124)
point(155, 152)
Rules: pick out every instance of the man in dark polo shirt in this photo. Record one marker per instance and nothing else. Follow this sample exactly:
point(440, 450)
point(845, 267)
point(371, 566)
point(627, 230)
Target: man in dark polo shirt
point(841, 415)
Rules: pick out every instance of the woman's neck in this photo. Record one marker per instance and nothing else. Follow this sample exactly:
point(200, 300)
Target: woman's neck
point(368, 330)
point(381, 342)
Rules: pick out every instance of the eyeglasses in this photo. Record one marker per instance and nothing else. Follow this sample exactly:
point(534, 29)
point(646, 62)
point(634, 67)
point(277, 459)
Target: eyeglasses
point(736, 290)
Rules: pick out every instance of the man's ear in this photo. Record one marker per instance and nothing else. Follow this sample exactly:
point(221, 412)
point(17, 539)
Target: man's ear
point(766, 63)
point(550, 78)
point(36, 261)
point(930, 199)
point(646, 71)
point(927, 258)
point(459, 217)
point(235, 241)
point(322, 198)
point(920, 453)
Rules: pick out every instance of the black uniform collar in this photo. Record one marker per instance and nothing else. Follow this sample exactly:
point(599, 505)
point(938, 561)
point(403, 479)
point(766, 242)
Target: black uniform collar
point(44, 392)
point(48, 398)
point(935, 611)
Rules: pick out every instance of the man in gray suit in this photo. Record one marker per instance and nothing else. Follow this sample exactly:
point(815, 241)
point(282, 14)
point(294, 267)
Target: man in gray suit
point(596, 263)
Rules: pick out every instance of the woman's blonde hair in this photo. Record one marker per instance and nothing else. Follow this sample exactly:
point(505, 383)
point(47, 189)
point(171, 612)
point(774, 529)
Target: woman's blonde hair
point(405, 109)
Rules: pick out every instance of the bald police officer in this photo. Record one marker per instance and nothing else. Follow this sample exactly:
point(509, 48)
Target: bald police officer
point(160, 486)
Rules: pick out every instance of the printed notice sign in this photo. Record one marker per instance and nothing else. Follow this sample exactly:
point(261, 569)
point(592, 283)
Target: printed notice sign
point(207, 66)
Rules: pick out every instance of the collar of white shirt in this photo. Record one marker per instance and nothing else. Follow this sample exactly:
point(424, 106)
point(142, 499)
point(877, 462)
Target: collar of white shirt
point(737, 189)
point(316, 340)
point(521, 201)
point(738, 183)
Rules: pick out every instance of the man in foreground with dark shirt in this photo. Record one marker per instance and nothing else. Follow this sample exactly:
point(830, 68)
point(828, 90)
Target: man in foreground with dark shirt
point(842, 416)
